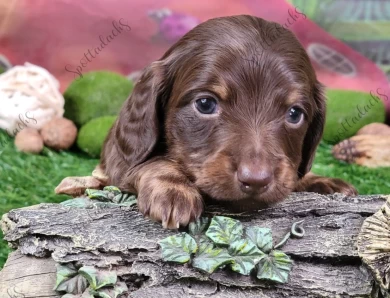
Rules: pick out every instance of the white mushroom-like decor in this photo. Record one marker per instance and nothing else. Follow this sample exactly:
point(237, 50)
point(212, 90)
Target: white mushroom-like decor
point(373, 245)
point(29, 96)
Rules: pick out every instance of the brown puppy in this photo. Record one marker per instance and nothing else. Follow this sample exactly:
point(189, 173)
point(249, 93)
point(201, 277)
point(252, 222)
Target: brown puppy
point(220, 115)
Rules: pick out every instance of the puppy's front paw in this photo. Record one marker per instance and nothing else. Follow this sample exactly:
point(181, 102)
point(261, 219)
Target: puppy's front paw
point(172, 204)
point(325, 185)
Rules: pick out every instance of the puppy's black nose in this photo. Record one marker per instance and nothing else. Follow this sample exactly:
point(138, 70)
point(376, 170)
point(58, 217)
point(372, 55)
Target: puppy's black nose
point(253, 179)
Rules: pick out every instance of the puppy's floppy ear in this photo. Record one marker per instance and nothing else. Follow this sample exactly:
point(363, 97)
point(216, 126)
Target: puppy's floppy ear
point(314, 132)
point(138, 128)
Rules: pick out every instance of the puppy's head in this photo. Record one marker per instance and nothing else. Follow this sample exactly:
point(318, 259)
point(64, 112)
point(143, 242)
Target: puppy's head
point(236, 102)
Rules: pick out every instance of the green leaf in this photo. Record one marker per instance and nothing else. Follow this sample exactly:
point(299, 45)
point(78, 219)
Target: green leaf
point(224, 230)
point(125, 199)
point(97, 194)
point(64, 272)
point(74, 285)
point(178, 248)
point(204, 244)
point(87, 203)
point(209, 259)
point(204, 240)
point(262, 237)
point(115, 190)
point(246, 255)
point(275, 267)
point(69, 281)
point(114, 292)
point(98, 278)
point(77, 203)
point(198, 227)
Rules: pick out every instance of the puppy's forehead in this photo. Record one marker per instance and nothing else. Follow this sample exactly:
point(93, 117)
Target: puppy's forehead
point(231, 58)
point(231, 76)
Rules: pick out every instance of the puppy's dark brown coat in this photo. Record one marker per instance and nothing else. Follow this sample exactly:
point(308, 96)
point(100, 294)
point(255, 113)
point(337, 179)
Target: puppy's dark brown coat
point(222, 116)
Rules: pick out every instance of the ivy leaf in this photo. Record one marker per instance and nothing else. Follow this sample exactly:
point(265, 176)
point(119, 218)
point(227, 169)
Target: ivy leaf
point(262, 237)
point(203, 240)
point(97, 194)
point(224, 230)
point(69, 281)
point(246, 255)
point(86, 203)
point(125, 199)
point(74, 285)
point(98, 278)
point(77, 203)
point(209, 259)
point(275, 267)
point(204, 244)
point(64, 272)
point(198, 227)
point(119, 289)
point(113, 189)
point(178, 248)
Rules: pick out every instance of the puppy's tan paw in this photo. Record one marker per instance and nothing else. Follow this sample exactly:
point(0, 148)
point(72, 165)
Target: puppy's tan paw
point(324, 185)
point(172, 204)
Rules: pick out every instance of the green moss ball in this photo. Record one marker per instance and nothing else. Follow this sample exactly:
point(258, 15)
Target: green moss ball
point(92, 135)
point(348, 111)
point(96, 94)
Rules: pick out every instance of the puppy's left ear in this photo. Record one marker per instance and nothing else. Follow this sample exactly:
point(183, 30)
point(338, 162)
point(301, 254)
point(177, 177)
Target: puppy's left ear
point(314, 132)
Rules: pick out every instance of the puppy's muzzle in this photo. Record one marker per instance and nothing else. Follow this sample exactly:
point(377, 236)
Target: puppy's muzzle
point(253, 178)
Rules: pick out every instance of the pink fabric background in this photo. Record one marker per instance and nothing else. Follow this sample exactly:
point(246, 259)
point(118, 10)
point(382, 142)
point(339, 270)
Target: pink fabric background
point(56, 33)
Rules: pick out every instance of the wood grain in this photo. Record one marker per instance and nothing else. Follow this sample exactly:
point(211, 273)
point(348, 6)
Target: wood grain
point(119, 238)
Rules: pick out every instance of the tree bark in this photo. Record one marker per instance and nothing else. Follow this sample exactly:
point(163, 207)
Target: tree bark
point(326, 263)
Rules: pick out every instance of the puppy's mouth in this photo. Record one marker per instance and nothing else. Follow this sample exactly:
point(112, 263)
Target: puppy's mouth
point(262, 198)
point(270, 193)
point(239, 193)
point(259, 186)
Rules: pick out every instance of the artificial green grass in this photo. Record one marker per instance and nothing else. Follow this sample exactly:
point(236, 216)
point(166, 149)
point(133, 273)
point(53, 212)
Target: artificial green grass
point(366, 180)
point(27, 179)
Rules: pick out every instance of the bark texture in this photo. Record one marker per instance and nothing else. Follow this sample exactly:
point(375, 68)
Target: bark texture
point(326, 261)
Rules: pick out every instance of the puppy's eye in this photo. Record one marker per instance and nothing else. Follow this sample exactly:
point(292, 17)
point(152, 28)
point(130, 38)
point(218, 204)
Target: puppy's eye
point(206, 105)
point(294, 115)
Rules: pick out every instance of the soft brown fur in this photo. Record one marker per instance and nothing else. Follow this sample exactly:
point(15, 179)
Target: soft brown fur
point(173, 156)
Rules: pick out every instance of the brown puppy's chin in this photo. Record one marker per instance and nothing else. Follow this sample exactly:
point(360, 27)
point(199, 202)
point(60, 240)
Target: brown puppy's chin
point(250, 203)
point(221, 184)
point(269, 197)
point(274, 193)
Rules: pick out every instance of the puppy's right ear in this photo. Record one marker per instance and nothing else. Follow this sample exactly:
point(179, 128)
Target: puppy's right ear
point(137, 129)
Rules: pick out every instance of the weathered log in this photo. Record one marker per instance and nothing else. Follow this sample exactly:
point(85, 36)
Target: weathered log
point(326, 262)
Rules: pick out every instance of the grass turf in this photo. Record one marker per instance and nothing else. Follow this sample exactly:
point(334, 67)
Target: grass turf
point(27, 179)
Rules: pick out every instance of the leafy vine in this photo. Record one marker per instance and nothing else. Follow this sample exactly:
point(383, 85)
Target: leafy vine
point(224, 242)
